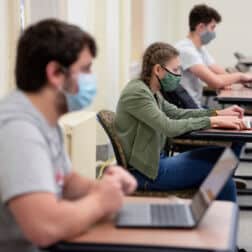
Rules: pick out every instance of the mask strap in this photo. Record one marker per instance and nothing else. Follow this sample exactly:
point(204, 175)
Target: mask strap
point(176, 75)
point(161, 86)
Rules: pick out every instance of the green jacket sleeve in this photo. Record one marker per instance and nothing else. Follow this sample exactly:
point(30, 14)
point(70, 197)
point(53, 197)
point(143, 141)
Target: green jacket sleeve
point(142, 105)
point(176, 113)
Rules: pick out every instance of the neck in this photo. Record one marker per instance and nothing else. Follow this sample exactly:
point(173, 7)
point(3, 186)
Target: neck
point(154, 84)
point(195, 38)
point(46, 103)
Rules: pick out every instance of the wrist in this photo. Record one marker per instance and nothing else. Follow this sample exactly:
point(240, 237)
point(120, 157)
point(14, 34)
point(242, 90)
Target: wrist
point(215, 113)
point(213, 122)
point(92, 185)
point(98, 208)
point(240, 76)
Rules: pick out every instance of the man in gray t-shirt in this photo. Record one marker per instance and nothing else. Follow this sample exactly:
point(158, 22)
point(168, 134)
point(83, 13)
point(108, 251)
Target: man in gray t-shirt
point(42, 201)
point(32, 160)
point(197, 65)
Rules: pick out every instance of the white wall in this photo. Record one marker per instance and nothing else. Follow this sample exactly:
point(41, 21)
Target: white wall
point(10, 30)
point(159, 21)
point(3, 47)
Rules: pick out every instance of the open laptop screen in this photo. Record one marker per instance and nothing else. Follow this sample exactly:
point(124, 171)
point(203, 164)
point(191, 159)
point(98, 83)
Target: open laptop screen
point(212, 185)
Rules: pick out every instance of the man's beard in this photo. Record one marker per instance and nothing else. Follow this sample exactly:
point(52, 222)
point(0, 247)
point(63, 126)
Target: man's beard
point(61, 104)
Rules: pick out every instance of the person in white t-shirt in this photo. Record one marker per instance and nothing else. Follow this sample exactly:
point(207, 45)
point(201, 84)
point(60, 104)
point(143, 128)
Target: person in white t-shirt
point(197, 64)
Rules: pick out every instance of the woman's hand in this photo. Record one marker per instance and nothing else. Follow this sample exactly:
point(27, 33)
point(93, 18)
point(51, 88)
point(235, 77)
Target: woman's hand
point(231, 111)
point(228, 122)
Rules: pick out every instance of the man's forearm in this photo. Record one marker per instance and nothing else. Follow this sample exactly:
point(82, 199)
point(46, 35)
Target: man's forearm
point(77, 186)
point(52, 220)
point(76, 218)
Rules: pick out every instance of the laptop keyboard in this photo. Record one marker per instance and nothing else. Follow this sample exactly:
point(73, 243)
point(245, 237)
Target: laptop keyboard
point(168, 214)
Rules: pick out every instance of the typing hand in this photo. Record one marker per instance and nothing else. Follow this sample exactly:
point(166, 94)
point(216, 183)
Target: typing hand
point(246, 77)
point(231, 111)
point(228, 87)
point(127, 181)
point(228, 122)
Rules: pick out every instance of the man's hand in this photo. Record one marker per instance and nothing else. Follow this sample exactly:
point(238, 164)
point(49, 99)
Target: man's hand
point(246, 77)
point(228, 87)
point(128, 182)
point(108, 192)
point(231, 111)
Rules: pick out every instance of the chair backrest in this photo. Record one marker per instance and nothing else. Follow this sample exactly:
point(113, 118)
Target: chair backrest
point(106, 119)
point(181, 98)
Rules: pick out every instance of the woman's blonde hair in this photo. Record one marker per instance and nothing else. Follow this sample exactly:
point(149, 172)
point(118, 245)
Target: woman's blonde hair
point(156, 53)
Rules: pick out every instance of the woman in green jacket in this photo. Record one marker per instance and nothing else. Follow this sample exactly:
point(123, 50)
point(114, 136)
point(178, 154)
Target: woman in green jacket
point(144, 120)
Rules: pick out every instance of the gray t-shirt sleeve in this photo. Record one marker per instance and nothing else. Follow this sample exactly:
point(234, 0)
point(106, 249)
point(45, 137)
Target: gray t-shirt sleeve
point(25, 162)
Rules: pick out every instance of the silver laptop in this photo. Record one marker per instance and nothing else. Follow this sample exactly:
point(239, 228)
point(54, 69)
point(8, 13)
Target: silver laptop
point(144, 215)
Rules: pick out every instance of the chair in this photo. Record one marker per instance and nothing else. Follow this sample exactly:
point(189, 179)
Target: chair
point(208, 93)
point(106, 119)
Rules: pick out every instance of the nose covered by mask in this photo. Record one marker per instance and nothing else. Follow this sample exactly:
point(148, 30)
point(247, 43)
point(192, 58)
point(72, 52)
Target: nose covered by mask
point(170, 81)
point(87, 90)
point(207, 36)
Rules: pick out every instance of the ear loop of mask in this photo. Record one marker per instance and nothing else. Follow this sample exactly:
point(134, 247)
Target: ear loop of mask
point(177, 75)
point(161, 87)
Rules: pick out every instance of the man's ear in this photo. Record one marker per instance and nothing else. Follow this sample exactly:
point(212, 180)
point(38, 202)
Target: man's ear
point(54, 75)
point(200, 27)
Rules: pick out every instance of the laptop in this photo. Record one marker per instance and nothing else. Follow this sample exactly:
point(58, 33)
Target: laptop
point(183, 215)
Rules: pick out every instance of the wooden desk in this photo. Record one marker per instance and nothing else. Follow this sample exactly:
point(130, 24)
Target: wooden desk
point(220, 135)
point(216, 232)
point(237, 95)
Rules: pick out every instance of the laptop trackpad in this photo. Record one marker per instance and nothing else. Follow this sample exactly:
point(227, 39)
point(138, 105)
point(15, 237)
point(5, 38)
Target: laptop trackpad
point(134, 215)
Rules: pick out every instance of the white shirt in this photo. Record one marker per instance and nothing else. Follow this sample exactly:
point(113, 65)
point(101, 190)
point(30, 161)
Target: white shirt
point(190, 56)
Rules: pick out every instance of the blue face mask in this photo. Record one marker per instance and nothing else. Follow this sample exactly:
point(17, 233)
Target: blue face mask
point(86, 92)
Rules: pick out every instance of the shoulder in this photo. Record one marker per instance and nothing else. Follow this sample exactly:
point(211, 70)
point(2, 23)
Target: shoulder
point(186, 47)
point(20, 130)
point(135, 88)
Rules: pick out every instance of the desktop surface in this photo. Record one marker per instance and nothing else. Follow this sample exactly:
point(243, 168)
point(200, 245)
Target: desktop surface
point(237, 94)
point(216, 232)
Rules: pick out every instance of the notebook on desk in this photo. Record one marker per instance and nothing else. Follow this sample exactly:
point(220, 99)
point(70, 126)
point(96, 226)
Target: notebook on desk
point(181, 215)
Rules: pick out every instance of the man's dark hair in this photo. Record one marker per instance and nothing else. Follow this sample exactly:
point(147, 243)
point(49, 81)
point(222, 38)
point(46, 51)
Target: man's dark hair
point(202, 14)
point(45, 41)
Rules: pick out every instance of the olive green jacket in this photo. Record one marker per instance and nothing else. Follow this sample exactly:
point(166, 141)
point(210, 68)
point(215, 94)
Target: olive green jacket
point(143, 124)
